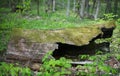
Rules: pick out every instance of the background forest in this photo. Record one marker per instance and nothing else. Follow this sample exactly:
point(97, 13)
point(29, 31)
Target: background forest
point(57, 14)
point(51, 12)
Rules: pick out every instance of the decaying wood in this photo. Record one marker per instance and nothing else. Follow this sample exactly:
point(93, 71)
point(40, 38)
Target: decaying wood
point(32, 45)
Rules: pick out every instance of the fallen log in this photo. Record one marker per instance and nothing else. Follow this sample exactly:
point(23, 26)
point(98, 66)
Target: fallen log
point(32, 45)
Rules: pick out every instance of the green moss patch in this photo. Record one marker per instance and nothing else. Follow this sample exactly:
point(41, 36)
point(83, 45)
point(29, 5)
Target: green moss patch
point(75, 35)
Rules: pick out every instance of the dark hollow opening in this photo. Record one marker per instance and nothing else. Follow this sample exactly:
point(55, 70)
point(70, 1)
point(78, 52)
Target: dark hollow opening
point(74, 51)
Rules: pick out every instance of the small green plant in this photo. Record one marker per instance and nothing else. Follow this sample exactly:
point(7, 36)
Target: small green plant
point(109, 16)
point(83, 57)
point(24, 6)
point(4, 38)
point(11, 70)
point(53, 67)
point(97, 68)
point(115, 45)
point(118, 21)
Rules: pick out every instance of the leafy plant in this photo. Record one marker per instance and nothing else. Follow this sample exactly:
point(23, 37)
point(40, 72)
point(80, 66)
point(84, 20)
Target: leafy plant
point(11, 70)
point(97, 68)
point(53, 67)
point(109, 16)
point(24, 6)
point(118, 21)
point(83, 57)
point(4, 38)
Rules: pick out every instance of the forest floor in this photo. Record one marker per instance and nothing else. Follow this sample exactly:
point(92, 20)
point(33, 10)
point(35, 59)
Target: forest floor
point(56, 20)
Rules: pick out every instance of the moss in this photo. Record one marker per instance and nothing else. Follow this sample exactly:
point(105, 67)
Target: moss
point(82, 35)
point(78, 36)
point(75, 35)
point(16, 34)
point(107, 24)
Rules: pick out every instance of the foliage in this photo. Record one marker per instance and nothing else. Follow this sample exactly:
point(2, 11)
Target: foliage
point(115, 41)
point(4, 38)
point(98, 67)
point(118, 21)
point(11, 70)
point(109, 16)
point(24, 6)
point(53, 67)
point(83, 57)
point(8, 22)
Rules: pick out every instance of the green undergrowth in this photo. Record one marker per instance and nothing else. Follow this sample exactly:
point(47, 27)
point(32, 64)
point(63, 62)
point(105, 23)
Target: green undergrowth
point(62, 67)
point(97, 68)
point(7, 69)
point(43, 21)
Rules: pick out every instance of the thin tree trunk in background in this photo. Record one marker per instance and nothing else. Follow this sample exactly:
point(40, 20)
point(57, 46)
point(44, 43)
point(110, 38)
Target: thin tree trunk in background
point(115, 7)
point(77, 8)
point(87, 7)
point(13, 6)
point(9, 3)
point(48, 6)
point(97, 10)
point(68, 8)
point(108, 6)
point(82, 9)
point(38, 7)
point(93, 7)
point(53, 6)
point(74, 5)
point(23, 2)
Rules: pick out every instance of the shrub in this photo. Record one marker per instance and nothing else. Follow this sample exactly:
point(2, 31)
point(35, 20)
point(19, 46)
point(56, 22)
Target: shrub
point(11, 70)
point(53, 67)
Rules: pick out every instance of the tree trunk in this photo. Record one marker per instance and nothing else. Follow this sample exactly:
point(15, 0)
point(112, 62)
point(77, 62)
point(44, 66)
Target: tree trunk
point(68, 8)
point(53, 6)
point(38, 7)
point(23, 2)
point(9, 3)
point(97, 10)
point(74, 5)
point(94, 3)
point(82, 9)
point(115, 7)
point(93, 7)
point(108, 6)
point(50, 6)
point(13, 6)
point(87, 7)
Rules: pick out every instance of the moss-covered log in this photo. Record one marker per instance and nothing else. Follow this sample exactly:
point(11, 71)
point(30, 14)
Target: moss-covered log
point(75, 36)
point(31, 45)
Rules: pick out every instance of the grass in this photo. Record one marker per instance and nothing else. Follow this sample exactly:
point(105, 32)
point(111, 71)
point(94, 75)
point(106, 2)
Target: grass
point(47, 21)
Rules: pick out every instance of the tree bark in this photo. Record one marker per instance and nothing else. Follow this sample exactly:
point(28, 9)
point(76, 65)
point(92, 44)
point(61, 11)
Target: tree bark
point(38, 7)
point(87, 7)
point(93, 8)
point(97, 10)
point(74, 5)
point(68, 8)
point(53, 5)
point(108, 6)
point(115, 7)
point(23, 3)
point(82, 9)
point(94, 3)
point(9, 3)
